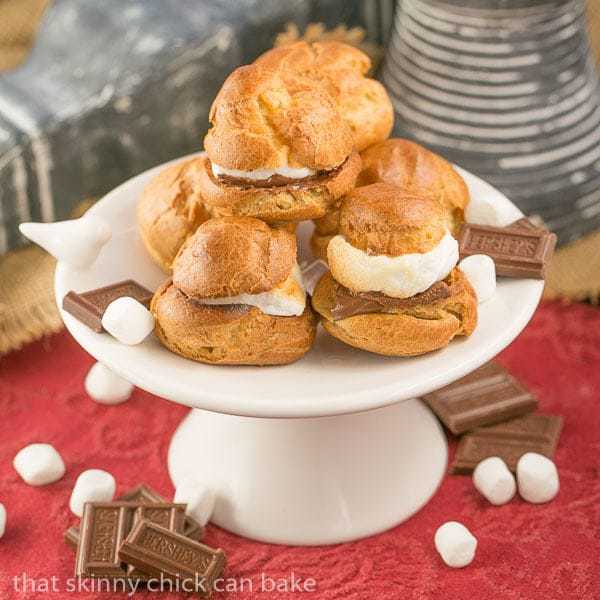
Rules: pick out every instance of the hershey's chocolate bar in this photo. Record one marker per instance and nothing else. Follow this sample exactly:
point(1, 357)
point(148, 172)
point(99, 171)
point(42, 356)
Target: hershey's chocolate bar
point(89, 307)
point(509, 440)
point(517, 250)
point(169, 516)
point(163, 553)
point(487, 395)
point(104, 526)
point(142, 494)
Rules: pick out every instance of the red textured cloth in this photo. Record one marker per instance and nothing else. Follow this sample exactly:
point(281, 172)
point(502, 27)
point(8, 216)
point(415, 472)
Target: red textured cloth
point(525, 551)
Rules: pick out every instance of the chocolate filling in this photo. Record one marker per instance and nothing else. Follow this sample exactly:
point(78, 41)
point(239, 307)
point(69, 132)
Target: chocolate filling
point(232, 308)
point(349, 303)
point(277, 180)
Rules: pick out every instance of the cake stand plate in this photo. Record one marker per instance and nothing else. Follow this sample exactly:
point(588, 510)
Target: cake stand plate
point(331, 448)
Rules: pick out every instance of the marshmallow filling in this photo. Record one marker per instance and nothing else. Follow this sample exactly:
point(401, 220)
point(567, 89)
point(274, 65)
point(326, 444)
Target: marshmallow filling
point(279, 177)
point(288, 299)
point(395, 276)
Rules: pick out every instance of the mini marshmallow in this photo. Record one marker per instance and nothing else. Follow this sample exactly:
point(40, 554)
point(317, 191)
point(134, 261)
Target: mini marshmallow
point(39, 464)
point(480, 271)
point(456, 544)
point(77, 242)
point(93, 485)
point(537, 477)
point(200, 500)
point(105, 386)
point(2, 519)
point(494, 481)
point(128, 321)
point(483, 210)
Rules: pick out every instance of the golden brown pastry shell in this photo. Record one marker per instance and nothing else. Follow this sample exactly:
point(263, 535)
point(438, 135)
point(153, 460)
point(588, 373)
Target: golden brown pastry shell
point(385, 219)
point(410, 166)
point(170, 209)
point(229, 256)
point(260, 121)
point(341, 70)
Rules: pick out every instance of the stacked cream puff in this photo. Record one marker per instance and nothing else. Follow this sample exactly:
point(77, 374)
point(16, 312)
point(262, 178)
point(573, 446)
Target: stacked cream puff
point(393, 286)
point(302, 134)
point(236, 296)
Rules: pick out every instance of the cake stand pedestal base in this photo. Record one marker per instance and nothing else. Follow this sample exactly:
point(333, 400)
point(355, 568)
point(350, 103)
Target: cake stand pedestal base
point(313, 481)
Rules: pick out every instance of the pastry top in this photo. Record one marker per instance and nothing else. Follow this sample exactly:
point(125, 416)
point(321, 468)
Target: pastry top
point(382, 219)
point(260, 121)
point(341, 70)
point(410, 166)
point(230, 256)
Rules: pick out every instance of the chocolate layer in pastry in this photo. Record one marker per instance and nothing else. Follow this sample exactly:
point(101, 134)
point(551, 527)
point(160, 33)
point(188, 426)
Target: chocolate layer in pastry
point(349, 303)
point(277, 180)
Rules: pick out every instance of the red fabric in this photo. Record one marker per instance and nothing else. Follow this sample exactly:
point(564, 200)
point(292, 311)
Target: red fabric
point(525, 551)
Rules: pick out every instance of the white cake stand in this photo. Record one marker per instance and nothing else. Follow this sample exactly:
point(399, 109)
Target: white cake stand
point(329, 449)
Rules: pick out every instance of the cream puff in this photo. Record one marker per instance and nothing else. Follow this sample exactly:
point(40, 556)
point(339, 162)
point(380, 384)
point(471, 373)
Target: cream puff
point(413, 168)
point(342, 71)
point(170, 209)
point(236, 296)
point(275, 151)
point(393, 286)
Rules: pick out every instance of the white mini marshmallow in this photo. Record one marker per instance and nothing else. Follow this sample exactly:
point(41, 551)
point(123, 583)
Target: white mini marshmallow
point(480, 270)
point(2, 519)
point(200, 500)
point(128, 320)
point(537, 477)
point(456, 544)
point(77, 242)
point(494, 481)
point(105, 386)
point(39, 464)
point(483, 210)
point(93, 485)
point(396, 276)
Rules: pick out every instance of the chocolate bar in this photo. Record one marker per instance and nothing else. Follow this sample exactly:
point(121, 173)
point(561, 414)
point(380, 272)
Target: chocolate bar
point(89, 307)
point(162, 553)
point(509, 440)
point(169, 516)
point(142, 494)
point(487, 395)
point(517, 251)
point(104, 526)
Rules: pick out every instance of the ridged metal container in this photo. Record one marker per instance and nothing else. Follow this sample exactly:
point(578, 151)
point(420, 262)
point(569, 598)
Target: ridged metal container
point(509, 90)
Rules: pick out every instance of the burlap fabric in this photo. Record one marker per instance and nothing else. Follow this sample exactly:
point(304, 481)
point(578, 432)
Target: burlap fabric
point(27, 308)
